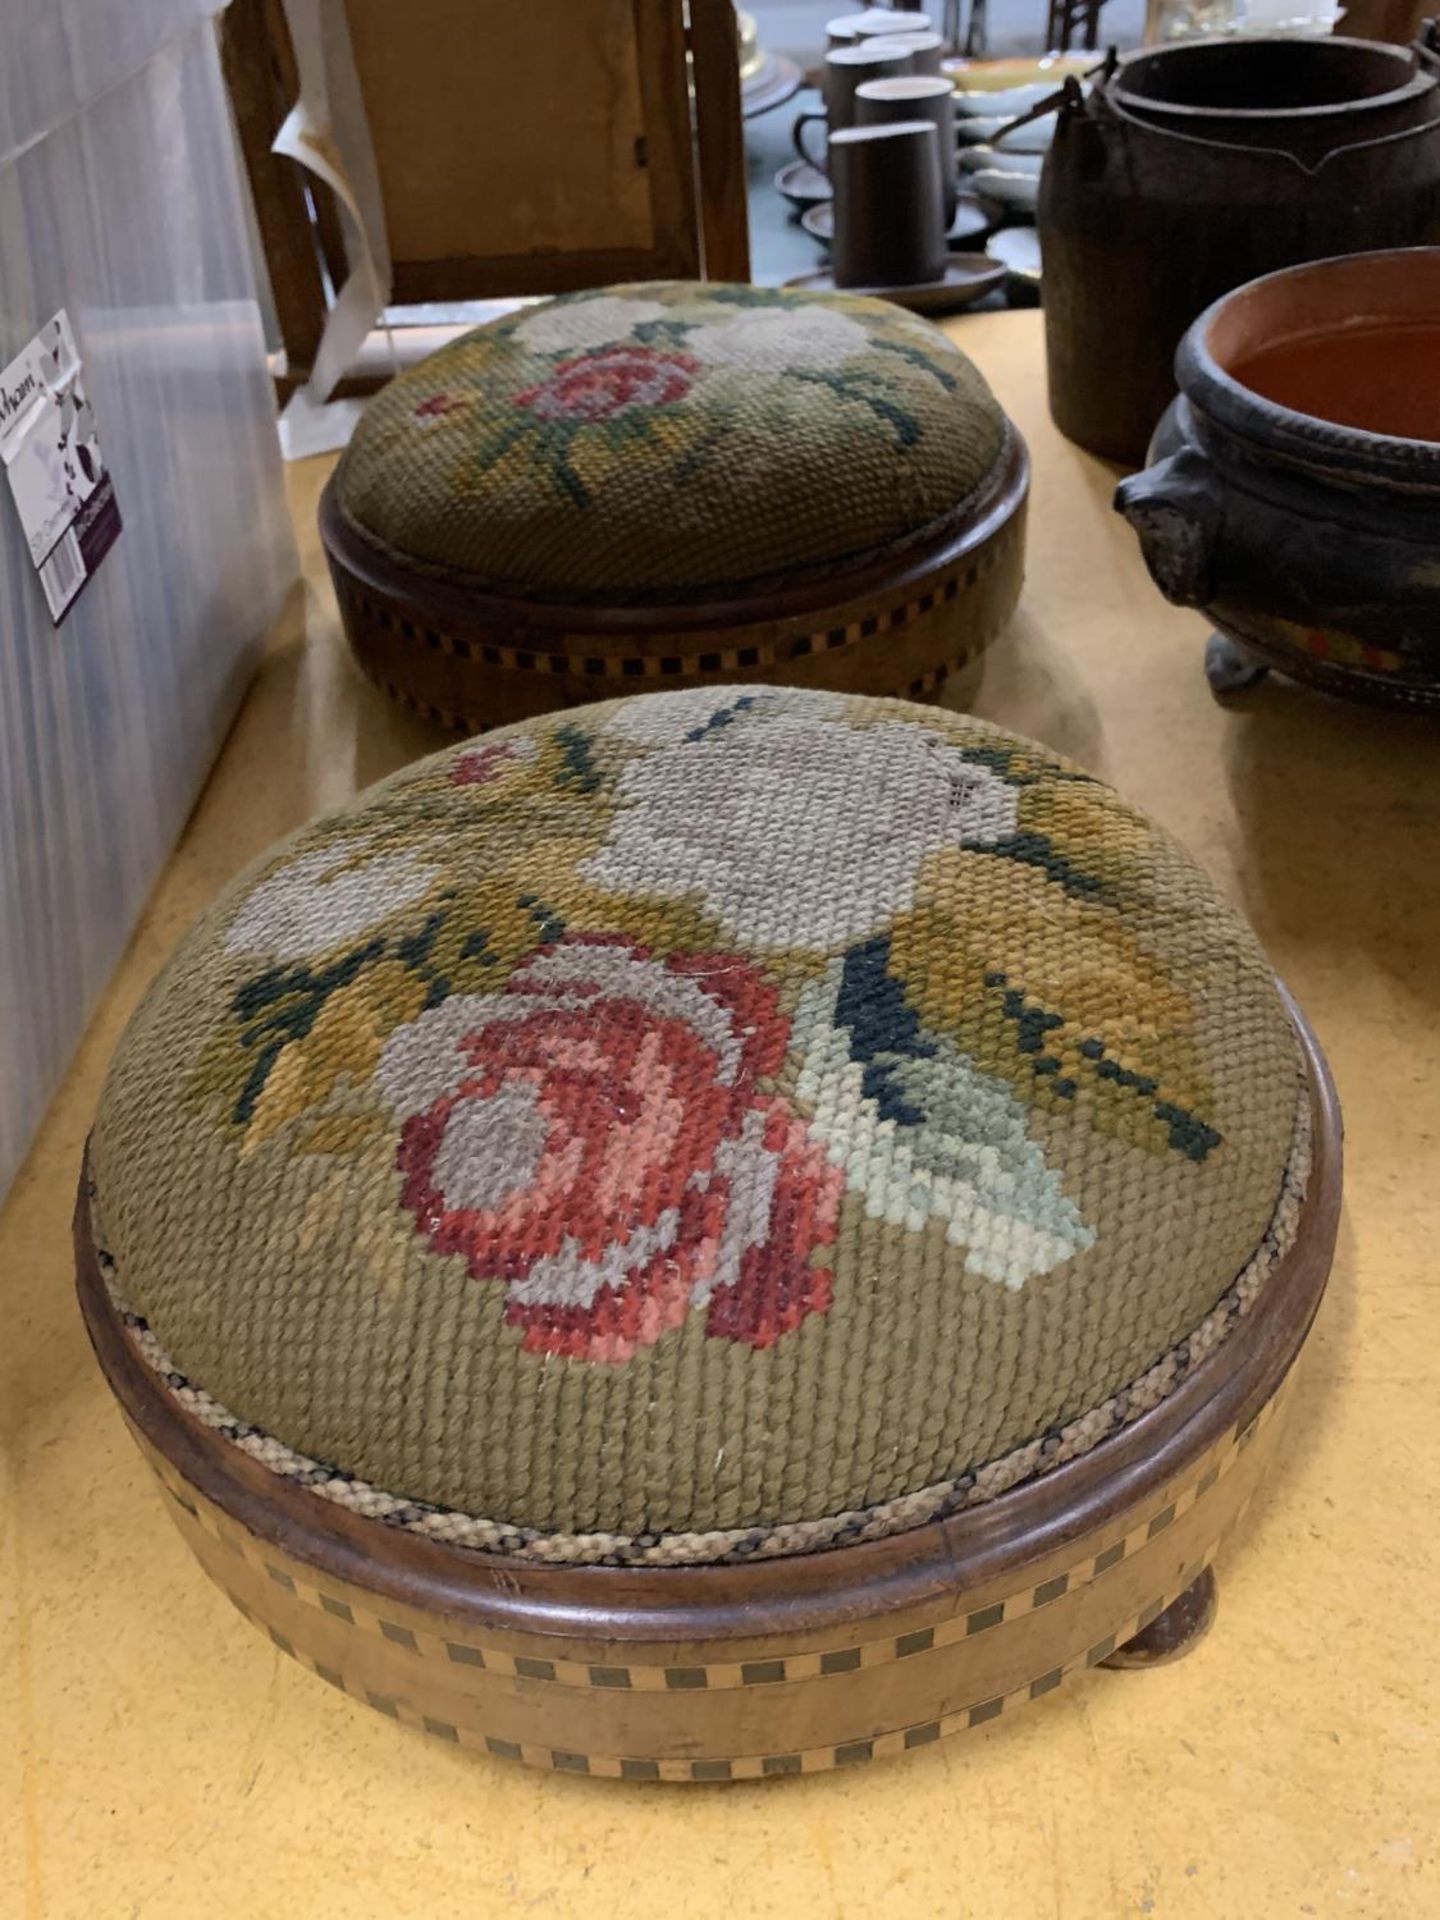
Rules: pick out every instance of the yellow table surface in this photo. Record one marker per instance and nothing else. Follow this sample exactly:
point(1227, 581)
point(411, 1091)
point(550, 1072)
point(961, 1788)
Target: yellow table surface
point(169, 1762)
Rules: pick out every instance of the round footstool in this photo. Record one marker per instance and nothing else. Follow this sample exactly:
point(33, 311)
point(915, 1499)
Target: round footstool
point(717, 1234)
point(677, 485)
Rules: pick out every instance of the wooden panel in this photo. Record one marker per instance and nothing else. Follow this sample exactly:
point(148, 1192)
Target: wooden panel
point(512, 138)
point(720, 139)
point(484, 277)
point(523, 146)
point(1395, 20)
point(260, 75)
point(669, 146)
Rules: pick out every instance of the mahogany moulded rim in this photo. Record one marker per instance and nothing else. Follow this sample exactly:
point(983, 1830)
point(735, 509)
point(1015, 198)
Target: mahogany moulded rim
point(444, 596)
point(794, 1595)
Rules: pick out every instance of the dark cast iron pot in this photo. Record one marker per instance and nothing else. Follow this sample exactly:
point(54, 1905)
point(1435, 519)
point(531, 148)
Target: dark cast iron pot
point(1187, 171)
point(1294, 485)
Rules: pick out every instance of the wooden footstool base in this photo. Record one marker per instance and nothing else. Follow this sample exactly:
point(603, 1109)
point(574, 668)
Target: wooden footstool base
point(792, 1665)
point(899, 626)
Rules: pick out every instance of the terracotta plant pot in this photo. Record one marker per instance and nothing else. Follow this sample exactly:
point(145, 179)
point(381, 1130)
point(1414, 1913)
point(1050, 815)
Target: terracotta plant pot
point(1294, 490)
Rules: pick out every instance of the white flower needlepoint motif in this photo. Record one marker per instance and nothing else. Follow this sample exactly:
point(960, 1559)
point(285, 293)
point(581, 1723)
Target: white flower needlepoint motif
point(574, 326)
point(796, 833)
point(800, 339)
point(321, 900)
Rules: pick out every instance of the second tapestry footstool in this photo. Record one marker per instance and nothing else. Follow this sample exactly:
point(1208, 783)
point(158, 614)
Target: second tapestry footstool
point(663, 486)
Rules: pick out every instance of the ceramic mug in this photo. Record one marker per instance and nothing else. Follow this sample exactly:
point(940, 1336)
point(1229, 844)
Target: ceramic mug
point(889, 227)
point(845, 68)
point(915, 96)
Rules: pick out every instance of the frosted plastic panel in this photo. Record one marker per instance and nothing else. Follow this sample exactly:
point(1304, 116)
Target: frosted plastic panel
point(129, 214)
point(61, 54)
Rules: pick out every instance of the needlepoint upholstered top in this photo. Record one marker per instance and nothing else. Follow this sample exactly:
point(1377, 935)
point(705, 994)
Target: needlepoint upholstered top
point(706, 1126)
point(648, 440)
point(674, 485)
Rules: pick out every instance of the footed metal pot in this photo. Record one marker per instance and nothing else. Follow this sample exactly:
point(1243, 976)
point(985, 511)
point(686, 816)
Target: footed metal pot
point(1294, 486)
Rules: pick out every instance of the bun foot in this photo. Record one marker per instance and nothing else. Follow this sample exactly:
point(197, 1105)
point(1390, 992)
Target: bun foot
point(1172, 1634)
point(1228, 666)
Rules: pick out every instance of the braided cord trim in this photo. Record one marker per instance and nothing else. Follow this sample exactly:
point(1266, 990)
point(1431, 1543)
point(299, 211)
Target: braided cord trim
point(764, 1542)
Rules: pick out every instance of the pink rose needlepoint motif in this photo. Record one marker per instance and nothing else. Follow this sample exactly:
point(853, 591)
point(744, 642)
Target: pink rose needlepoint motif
point(619, 379)
point(584, 1138)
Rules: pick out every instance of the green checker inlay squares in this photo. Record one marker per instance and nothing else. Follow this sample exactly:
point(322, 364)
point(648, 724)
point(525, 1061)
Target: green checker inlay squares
point(922, 1736)
point(762, 1673)
point(985, 1617)
point(682, 1677)
point(610, 1676)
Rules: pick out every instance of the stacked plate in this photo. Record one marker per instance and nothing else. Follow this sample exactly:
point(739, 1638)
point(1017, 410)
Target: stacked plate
point(967, 229)
point(1001, 163)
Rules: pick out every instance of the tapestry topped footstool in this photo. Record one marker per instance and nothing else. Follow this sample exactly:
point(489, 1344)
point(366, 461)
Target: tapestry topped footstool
point(671, 485)
point(716, 1234)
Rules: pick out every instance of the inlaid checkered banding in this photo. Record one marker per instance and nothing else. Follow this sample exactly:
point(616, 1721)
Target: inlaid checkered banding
point(887, 1745)
point(573, 653)
point(964, 1624)
point(927, 686)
